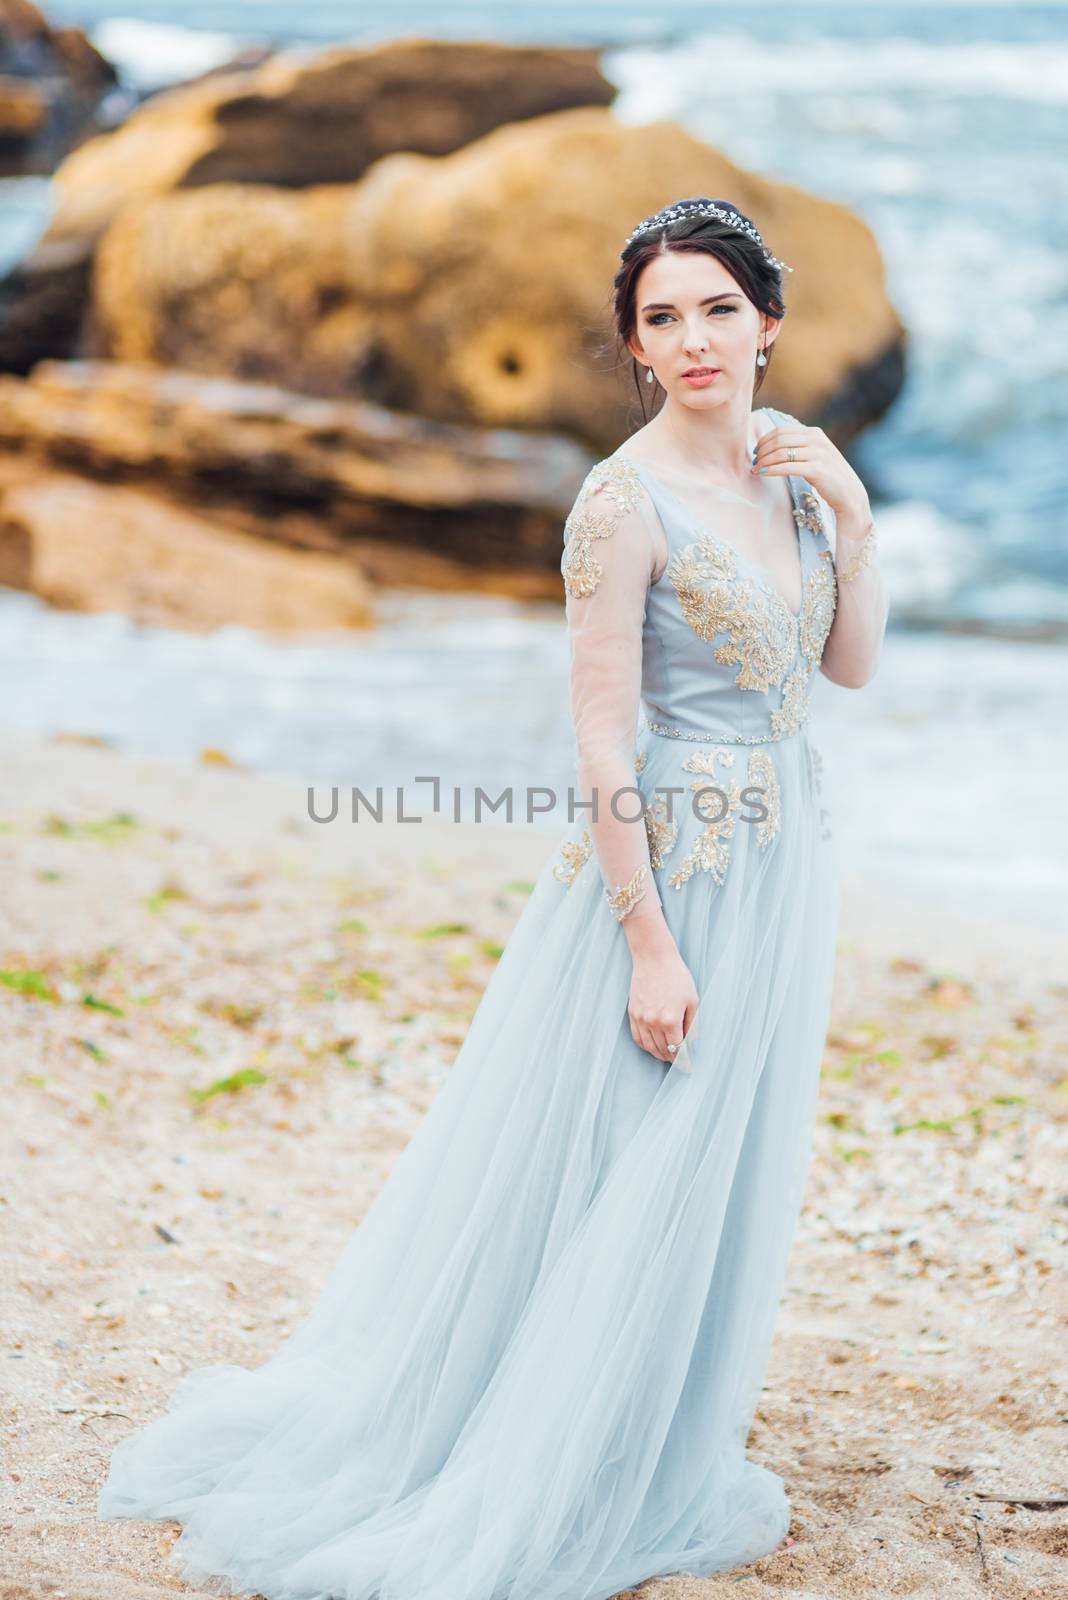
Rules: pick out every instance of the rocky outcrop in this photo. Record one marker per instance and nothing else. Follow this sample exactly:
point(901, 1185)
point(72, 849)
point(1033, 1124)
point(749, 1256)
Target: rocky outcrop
point(51, 82)
point(412, 500)
point(23, 114)
point(294, 121)
point(86, 546)
point(237, 280)
point(476, 286)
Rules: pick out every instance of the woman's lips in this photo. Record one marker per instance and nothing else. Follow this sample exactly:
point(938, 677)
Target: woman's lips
point(698, 380)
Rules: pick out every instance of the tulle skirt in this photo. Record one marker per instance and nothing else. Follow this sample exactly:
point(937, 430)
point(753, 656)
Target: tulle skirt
point(533, 1370)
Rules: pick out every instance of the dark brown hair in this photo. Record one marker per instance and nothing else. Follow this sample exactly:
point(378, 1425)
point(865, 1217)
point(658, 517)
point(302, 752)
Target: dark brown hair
point(743, 257)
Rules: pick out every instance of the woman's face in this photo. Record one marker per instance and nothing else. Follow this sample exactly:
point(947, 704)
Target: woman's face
point(690, 312)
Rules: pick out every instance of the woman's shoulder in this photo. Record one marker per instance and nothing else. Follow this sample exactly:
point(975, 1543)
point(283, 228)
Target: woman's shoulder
point(777, 418)
point(612, 502)
point(818, 514)
point(614, 483)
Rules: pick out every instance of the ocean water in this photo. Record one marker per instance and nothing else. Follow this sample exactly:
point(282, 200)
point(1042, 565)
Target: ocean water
point(945, 775)
point(945, 127)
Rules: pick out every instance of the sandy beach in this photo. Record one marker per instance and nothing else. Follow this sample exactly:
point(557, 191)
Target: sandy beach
point(221, 1023)
point(312, 324)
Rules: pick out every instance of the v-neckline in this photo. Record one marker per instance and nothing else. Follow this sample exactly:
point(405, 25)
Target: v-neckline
point(765, 577)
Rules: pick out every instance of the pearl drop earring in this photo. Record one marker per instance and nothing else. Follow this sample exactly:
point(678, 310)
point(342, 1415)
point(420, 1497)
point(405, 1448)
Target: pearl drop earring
point(648, 374)
point(762, 359)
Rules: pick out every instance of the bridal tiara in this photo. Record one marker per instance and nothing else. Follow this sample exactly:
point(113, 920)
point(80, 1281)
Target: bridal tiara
point(705, 208)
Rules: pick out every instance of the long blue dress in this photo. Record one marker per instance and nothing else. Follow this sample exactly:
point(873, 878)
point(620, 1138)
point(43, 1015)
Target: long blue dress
point(532, 1373)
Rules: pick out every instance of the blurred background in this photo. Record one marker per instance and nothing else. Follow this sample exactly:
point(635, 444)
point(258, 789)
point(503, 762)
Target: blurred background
point(305, 350)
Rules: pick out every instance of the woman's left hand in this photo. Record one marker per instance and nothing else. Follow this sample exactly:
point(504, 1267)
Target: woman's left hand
point(820, 462)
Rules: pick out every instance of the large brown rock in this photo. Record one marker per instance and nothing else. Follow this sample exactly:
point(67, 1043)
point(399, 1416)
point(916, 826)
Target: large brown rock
point(299, 120)
point(477, 286)
point(294, 121)
point(51, 82)
point(86, 546)
point(234, 279)
point(23, 114)
point(412, 501)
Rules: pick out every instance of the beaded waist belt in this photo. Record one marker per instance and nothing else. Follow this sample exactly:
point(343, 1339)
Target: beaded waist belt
point(712, 736)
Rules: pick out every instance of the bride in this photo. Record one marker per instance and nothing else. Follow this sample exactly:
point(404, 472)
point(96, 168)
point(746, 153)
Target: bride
point(533, 1371)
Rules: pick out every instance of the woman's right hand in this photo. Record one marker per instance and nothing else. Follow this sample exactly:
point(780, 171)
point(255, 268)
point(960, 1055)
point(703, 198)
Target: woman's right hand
point(663, 996)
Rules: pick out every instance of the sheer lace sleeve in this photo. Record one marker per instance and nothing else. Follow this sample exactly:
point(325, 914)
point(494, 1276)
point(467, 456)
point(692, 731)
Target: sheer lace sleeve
point(614, 546)
point(853, 646)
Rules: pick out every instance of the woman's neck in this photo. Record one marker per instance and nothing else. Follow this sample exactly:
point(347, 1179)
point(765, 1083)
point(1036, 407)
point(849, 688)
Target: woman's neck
point(717, 442)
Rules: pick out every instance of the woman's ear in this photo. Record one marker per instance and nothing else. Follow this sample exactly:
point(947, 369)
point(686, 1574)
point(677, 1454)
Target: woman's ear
point(769, 331)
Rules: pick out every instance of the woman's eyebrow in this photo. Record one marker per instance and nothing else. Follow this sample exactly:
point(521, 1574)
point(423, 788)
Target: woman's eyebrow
point(664, 305)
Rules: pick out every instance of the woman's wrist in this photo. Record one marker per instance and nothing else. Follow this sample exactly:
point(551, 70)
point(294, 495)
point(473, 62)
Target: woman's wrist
point(855, 547)
point(852, 564)
point(648, 934)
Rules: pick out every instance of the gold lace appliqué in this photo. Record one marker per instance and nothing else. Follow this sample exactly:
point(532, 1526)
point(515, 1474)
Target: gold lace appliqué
point(761, 628)
point(862, 557)
point(610, 488)
point(575, 858)
point(711, 849)
point(818, 605)
point(661, 831)
point(761, 774)
point(793, 713)
point(808, 513)
point(623, 899)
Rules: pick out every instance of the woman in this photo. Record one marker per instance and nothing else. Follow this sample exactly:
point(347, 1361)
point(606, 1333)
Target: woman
point(531, 1375)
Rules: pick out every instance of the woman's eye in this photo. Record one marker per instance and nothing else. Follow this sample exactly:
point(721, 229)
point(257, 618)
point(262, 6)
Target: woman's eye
point(654, 321)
